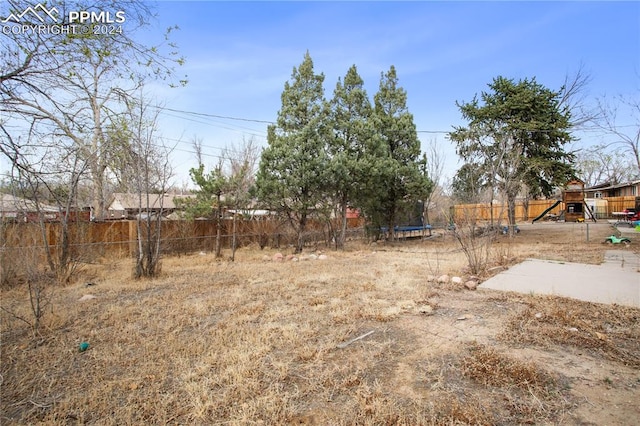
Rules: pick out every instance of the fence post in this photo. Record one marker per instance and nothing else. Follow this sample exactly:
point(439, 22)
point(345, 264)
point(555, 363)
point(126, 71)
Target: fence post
point(587, 232)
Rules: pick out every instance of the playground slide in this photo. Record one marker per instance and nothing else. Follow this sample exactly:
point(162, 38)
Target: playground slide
point(591, 215)
point(546, 211)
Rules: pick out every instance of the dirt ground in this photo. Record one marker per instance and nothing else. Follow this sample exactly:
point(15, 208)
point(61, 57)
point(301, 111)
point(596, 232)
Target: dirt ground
point(366, 336)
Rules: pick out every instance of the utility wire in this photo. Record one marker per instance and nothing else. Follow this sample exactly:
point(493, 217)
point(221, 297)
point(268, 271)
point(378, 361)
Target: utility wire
point(224, 117)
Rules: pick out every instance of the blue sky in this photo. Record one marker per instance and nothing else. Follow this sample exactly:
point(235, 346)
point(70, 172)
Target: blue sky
point(239, 55)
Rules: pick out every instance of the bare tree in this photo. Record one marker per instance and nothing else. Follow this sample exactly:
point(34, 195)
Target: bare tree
point(620, 120)
point(573, 97)
point(149, 170)
point(242, 162)
point(605, 164)
point(72, 86)
point(43, 175)
point(435, 167)
point(47, 173)
point(196, 143)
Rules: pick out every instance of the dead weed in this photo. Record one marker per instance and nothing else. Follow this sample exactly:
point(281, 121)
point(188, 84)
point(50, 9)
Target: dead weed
point(613, 331)
point(529, 393)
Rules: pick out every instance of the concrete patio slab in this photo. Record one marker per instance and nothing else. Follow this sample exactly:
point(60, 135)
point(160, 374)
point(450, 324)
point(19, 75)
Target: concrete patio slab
point(616, 280)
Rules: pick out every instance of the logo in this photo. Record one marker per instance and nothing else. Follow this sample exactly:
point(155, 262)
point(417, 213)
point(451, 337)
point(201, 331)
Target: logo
point(38, 11)
point(43, 20)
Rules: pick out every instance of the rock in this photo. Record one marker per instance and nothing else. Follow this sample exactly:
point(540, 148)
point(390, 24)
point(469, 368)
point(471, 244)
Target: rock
point(294, 259)
point(471, 285)
point(303, 258)
point(87, 297)
point(425, 309)
point(322, 257)
point(278, 257)
point(202, 253)
point(431, 278)
point(538, 315)
point(266, 258)
point(407, 305)
point(456, 280)
point(443, 279)
point(313, 256)
point(289, 257)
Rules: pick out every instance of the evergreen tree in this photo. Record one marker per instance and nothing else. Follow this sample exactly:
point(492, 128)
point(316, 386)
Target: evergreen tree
point(211, 188)
point(517, 136)
point(468, 183)
point(398, 174)
point(292, 175)
point(352, 147)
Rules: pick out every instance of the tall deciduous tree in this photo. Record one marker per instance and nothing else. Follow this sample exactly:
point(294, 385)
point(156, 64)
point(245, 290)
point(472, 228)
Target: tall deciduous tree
point(242, 162)
point(70, 86)
point(399, 175)
point(516, 133)
point(147, 168)
point(620, 120)
point(602, 164)
point(435, 168)
point(292, 175)
point(353, 146)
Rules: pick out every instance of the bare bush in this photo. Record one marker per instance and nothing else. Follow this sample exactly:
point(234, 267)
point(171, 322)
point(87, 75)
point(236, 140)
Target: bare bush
point(475, 242)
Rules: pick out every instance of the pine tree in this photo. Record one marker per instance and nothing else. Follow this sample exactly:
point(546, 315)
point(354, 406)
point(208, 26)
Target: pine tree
point(517, 137)
point(398, 174)
point(211, 188)
point(352, 147)
point(292, 175)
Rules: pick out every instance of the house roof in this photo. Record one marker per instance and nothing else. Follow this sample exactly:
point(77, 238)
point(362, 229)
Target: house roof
point(11, 203)
point(606, 186)
point(131, 201)
point(251, 212)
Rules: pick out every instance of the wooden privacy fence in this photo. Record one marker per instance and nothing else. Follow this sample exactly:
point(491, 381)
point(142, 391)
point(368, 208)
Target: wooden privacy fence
point(534, 209)
point(92, 240)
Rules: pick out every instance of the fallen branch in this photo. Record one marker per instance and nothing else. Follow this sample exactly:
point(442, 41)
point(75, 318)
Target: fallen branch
point(355, 339)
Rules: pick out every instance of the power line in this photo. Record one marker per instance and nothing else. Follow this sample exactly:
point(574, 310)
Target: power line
point(224, 117)
point(246, 130)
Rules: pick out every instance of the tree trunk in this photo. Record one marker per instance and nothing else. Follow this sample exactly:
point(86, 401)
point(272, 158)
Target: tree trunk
point(302, 226)
point(391, 222)
point(343, 226)
point(218, 231)
point(491, 208)
point(234, 237)
point(511, 212)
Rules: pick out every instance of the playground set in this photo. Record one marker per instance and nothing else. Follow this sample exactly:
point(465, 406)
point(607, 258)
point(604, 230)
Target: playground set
point(576, 207)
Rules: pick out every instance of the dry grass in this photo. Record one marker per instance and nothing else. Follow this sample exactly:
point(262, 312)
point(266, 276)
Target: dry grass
point(531, 393)
point(256, 342)
point(611, 331)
